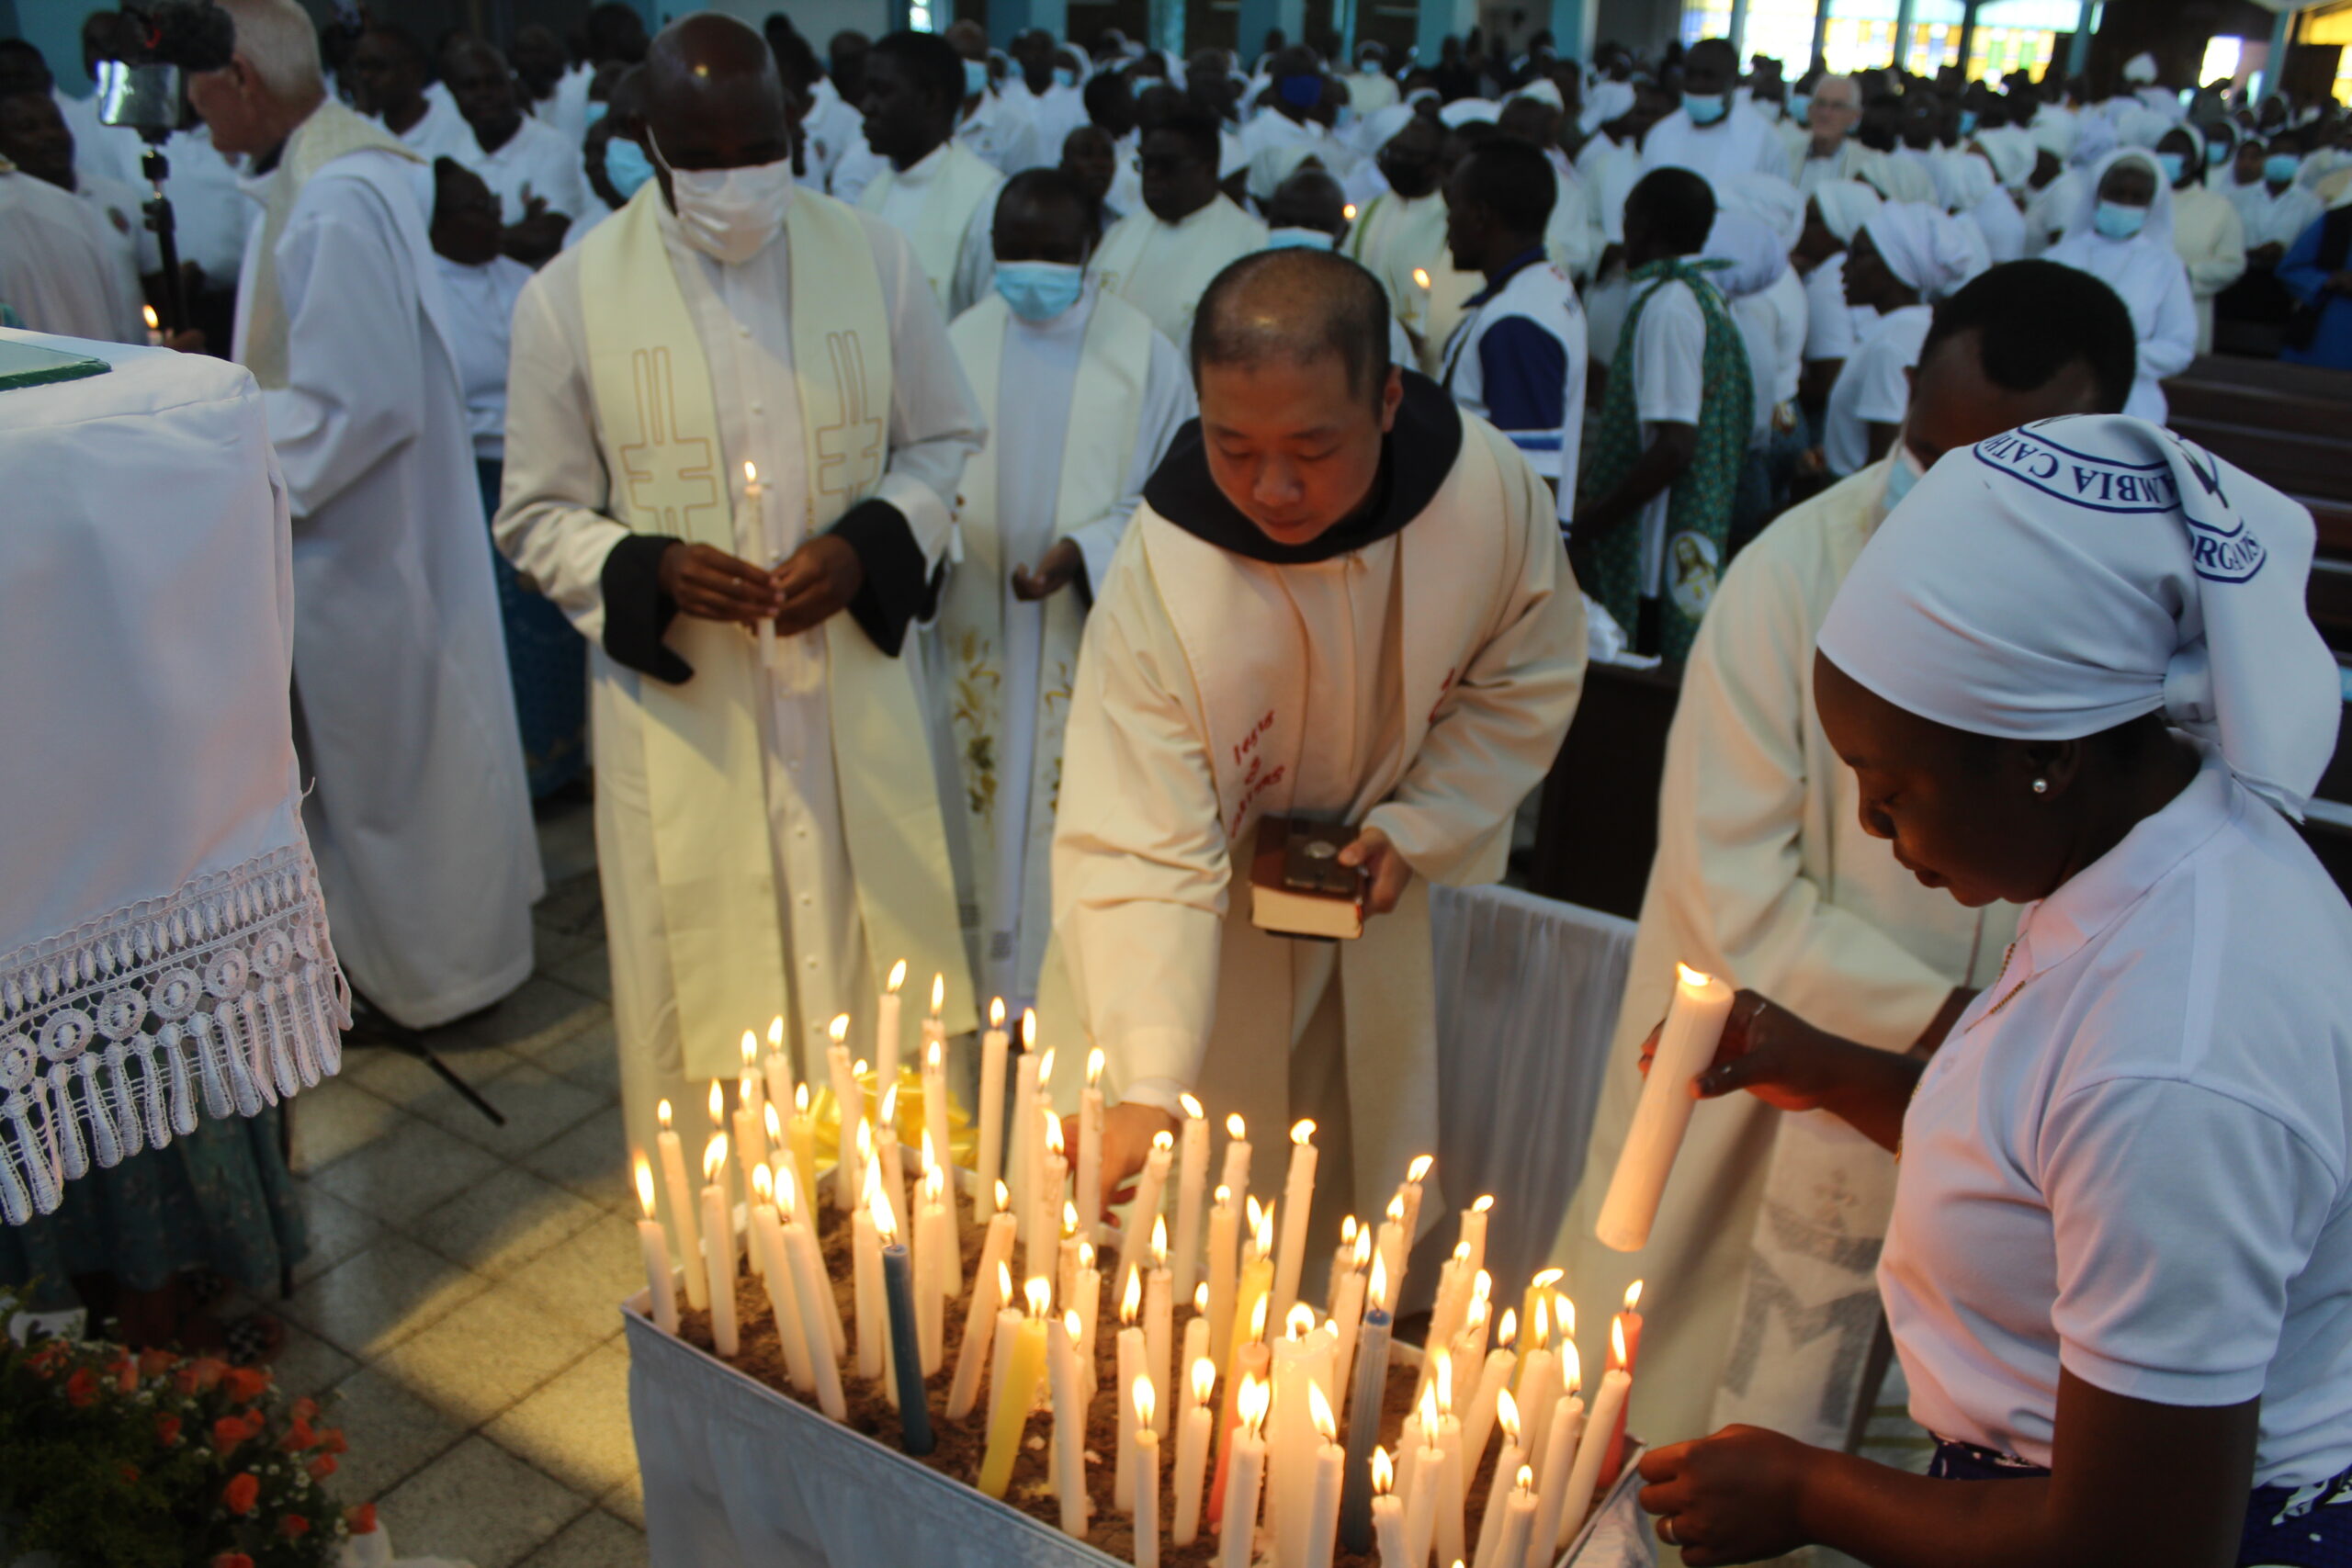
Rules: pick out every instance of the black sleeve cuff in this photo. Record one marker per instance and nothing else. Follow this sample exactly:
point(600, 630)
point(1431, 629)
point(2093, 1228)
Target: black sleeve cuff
point(637, 613)
point(896, 590)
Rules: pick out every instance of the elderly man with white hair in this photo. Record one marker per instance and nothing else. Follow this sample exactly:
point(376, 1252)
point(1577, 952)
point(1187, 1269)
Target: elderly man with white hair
point(1831, 154)
point(419, 813)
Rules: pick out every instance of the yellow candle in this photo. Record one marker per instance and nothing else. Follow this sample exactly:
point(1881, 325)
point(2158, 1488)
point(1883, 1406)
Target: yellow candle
point(1017, 1391)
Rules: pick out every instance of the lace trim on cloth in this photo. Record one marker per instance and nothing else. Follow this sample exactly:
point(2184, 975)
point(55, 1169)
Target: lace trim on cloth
point(226, 990)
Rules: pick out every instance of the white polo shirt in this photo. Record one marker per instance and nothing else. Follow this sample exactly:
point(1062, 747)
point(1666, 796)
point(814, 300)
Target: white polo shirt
point(534, 161)
point(1872, 388)
point(1517, 360)
point(2129, 1157)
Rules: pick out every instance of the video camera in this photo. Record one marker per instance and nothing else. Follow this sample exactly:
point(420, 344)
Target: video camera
point(157, 46)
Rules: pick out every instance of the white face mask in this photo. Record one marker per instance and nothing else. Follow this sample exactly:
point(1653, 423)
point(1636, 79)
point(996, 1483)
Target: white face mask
point(730, 215)
point(1902, 474)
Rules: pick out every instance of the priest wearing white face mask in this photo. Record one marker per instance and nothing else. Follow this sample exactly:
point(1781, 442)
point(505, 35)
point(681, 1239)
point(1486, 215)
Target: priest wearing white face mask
point(768, 831)
point(1081, 396)
point(936, 191)
point(1710, 134)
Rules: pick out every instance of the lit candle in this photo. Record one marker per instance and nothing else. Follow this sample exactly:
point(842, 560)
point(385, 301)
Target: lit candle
point(1342, 1259)
point(991, 1150)
point(800, 1137)
point(1089, 1308)
point(155, 326)
point(778, 1066)
point(906, 1354)
point(1347, 1313)
point(1592, 1446)
point(1625, 1346)
point(1015, 1390)
point(849, 1109)
point(936, 1122)
point(682, 1208)
point(1024, 1151)
point(1008, 1322)
point(1389, 1248)
point(992, 1283)
point(1067, 1256)
point(1387, 1510)
point(1192, 1189)
point(1290, 1442)
point(1089, 1147)
point(1196, 1337)
point(1235, 1178)
point(1299, 1200)
point(1509, 1462)
point(1493, 1378)
point(718, 1245)
point(1686, 1044)
point(1044, 1232)
point(1426, 1460)
point(1553, 1520)
point(751, 1142)
point(1150, 1186)
point(1417, 1172)
point(1251, 1361)
point(1474, 1231)
point(1541, 1287)
point(1519, 1518)
point(1364, 1421)
point(1131, 1353)
point(885, 1152)
point(660, 1283)
point(1069, 1422)
point(1238, 1523)
point(1453, 1301)
point(821, 1314)
point(932, 1258)
point(887, 1030)
point(1193, 1449)
point(1540, 1379)
point(1323, 1506)
point(1224, 1267)
point(755, 502)
point(1146, 1477)
point(1453, 1479)
point(1159, 1316)
point(783, 1298)
point(865, 1276)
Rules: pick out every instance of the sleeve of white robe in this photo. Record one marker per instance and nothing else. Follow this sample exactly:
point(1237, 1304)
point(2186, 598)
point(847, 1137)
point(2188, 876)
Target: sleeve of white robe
point(936, 423)
point(1499, 726)
point(2169, 340)
point(1139, 860)
point(1732, 806)
point(1168, 402)
point(354, 354)
point(975, 259)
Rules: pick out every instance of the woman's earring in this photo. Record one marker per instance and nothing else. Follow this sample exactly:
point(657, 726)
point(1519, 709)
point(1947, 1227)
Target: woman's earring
point(2042, 786)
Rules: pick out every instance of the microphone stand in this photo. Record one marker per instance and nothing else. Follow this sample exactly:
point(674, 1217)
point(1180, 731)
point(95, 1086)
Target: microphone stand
point(158, 208)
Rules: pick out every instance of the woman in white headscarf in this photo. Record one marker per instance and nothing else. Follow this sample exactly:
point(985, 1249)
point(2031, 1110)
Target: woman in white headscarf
point(2053, 207)
point(1905, 258)
point(1977, 197)
point(1834, 329)
point(1768, 306)
point(2121, 235)
point(2073, 670)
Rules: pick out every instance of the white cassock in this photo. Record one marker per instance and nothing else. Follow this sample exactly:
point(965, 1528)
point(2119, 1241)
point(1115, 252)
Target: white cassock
point(534, 162)
point(440, 132)
point(1396, 238)
point(1771, 1223)
point(827, 129)
point(1163, 268)
point(2274, 218)
point(1079, 410)
point(998, 132)
point(60, 264)
point(421, 816)
point(2211, 239)
point(756, 880)
point(1415, 675)
point(944, 204)
point(1845, 163)
point(1742, 142)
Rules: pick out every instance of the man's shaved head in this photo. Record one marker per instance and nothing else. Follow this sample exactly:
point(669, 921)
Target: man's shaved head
point(713, 99)
point(1298, 306)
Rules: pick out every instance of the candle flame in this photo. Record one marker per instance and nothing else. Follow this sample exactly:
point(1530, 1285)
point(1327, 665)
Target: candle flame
point(763, 1187)
point(1053, 1143)
point(1380, 1282)
point(889, 1109)
point(1693, 978)
point(1526, 1481)
point(147, 313)
point(750, 473)
point(838, 1030)
point(1004, 1197)
point(1483, 1204)
point(1040, 1295)
point(1482, 1287)
point(1162, 1143)
point(1299, 1322)
point(1085, 1256)
point(1318, 1411)
point(1069, 1220)
point(996, 1012)
point(714, 1158)
point(1563, 1312)
point(1546, 1279)
point(1255, 1212)
point(934, 1184)
point(865, 1139)
point(1348, 211)
point(1420, 277)
point(1045, 1069)
point(1158, 1241)
point(1004, 1283)
point(1303, 1133)
point(930, 1159)
point(787, 1191)
point(645, 1186)
point(1348, 1232)
point(897, 976)
point(938, 993)
point(1475, 1319)
point(1383, 1472)
point(1145, 1403)
point(1264, 1234)
point(1236, 1129)
point(934, 1056)
point(1222, 1197)
point(1363, 1250)
point(775, 1033)
point(717, 1104)
point(1617, 1340)
point(1073, 1326)
point(776, 1128)
point(1507, 1411)
point(1441, 1379)
point(1539, 1328)
point(661, 1114)
point(1258, 1319)
point(1094, 1068)
point(1633, 1296)
point(1192, 1111)
point(1396, 1210)
point(1203, 1380)
point(1426, 1410)
point(1251, 1403)
point(1028, 1028)
point(1200, 1297)
point(751, 1050)
point(1131, 1300)
point(1506, 1331)
point(1419, 1171)
point(1572, 1366)
point(1461, 1252)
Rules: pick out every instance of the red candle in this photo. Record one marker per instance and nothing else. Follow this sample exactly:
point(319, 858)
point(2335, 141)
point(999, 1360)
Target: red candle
point(1626, 1328)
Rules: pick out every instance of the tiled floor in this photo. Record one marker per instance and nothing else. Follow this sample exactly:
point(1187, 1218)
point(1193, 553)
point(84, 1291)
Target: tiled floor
point(460, 1300)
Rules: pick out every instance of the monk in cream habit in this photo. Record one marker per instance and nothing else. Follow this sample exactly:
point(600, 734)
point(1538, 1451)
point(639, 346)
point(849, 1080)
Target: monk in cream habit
point(767, 833)
point(1342, 599)
point(1081, 399)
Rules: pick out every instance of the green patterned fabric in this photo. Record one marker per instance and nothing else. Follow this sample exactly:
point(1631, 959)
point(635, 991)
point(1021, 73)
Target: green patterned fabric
point(1699, 508)
point(219, 1197)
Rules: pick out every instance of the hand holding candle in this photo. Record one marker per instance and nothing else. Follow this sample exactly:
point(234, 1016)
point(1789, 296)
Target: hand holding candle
point(1686, 1045)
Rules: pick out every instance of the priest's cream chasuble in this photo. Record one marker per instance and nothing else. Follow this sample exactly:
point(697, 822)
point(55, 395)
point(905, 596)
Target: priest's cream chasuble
point(703, 750)
point(953, 195)
point(1162, 269)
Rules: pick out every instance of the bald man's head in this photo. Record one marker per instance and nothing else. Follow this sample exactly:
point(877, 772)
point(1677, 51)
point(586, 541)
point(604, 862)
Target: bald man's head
point(712, 98)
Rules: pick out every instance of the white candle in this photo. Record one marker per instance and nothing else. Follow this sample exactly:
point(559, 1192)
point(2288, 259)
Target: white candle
point(991, 1150)
point(1225, 1263)
point(1686, 1044)
point(1323, 1502)
point(1507, 1463)
point(750, 1146)
point(1420, 1504)
point(1290, 1443)
point(1237, 1528)
point(1474, 1230)
point(1236, 1177)
point(866, 1278)
point(820, 1314)
point(750, 1095)
point(991, 1290)
point(778, 1066)
point(1131, 1353)
point(1346, 1319)
point(849, 1109)
point(934, 1251)
point(800, 1137)
point(1519, 1518)
point(1452, 1487)
point(1387, 1510)
point(1342, 1259)
point(1193, 1446)
point(1045, 1228)
point(1196, 1340)
point(1493, 1378)
point(887, 1028)
point(1146, 1208)
point(1024, 1150)
point(936, 1149)
point(1089, 1294)
point(1068, 1255)
point(718, 1245)
point(1593, 1443)
point(1146, 1468)
point(1416, 1171)
point(1553, 1516)
point(886, 1152)
point(1069, 1422)
point(1090, 1148)
point(1192, 1190)
point(672, 1153)
point(783, 1298)
point(1158, 1318)
point(1390, 1248)
point(659, 1285)
point(1298, 1201)
point(755, 502)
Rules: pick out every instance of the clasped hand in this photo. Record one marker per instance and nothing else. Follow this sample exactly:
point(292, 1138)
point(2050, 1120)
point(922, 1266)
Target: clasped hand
point(816, 582)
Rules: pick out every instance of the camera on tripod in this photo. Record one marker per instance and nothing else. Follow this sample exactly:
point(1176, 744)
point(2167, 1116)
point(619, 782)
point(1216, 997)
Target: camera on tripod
point(145, 88)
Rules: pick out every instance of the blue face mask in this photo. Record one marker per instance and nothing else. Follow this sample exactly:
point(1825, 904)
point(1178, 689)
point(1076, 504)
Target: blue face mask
point(1065, 77)
point(2113, 220)
point(1902, 474)
point(1799, 106)
point(1705, 108)
point(2279, 168)
point(626, 165)
point(2175, 164)
point(1297, 239)
point(1039, 291)
point(597, 111)
point(1302, 91)
point(2215, 151)
point(1968, 122)
point(976, 78)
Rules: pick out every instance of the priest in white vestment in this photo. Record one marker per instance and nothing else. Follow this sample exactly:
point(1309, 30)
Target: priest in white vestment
point(1160, 259)
point(1081, 397)
point(935, 190)
point(419, 813)
point(1768, 875)
point(768, 834)
point(1711, 133)
point(1343, 599)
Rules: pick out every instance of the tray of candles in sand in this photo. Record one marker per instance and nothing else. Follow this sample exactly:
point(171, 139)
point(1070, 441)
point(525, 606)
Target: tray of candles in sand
point(947, 1342)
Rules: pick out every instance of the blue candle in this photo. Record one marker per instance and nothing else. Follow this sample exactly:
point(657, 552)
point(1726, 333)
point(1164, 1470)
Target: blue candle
point(1364, 1427)
point(906, 1353)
